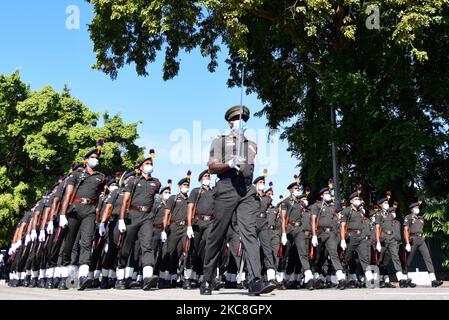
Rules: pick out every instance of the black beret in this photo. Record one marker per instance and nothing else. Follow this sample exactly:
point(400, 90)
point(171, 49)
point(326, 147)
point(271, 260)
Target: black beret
point(202, 174)
point(324, 190)
point(235, 112)
point(129, 174)
point(353, 195)
point(382, 200)
point(291, 185)
point(269, 189)
point(91, 152)
point(140, 164)
point(258, 179)
point(413, 205)
point(165, 188)
point(183, 180)
point(111, 182)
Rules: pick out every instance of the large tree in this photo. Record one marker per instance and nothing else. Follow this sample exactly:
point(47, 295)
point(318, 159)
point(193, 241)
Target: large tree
point(41, 134)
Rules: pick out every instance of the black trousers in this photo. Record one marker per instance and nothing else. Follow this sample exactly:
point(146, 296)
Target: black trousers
point(390, 252)
point(156, 245)
point(327, 245)
point(81, 218)
point(54, 245)
point(264, 236)
point(242, 200)
point(275, 240)
point(197, 252)
point(176, 237)
point(109, 260)
point(419, 244)
point(302, 243)
point(363, 248)
point(138, 225)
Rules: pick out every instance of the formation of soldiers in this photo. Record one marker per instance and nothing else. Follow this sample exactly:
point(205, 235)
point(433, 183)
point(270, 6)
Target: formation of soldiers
point(132, 232)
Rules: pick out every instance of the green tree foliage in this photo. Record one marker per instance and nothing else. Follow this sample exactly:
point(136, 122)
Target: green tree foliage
point(41, 134)
point(388, 85)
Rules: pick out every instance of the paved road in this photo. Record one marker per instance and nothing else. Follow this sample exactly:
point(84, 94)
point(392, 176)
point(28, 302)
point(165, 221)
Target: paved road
point(418, 293)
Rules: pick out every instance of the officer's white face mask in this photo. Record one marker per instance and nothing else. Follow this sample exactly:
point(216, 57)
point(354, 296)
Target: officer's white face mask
point(416, 210)
point(92, 162)
point(296, 193)
point(236, 126)
point(205, 182)
point(185, 190)
point(147, 169)
point(165, 196)
point(261, 187)
point(112, 188)
point(385, 206)
point(357, 203)
point(305, 203)
point(393, 214)
point(327, 197)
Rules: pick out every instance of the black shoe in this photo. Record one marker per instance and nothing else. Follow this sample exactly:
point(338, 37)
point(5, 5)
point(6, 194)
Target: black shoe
point(242, 285)
point(389, 285)
point(187, 285)
point(62, 284)
point(162, 284)
point(382, 284)
point(111, 283)
point(150, 282)
point(48, 283)
point(27, 281)
point(258, 287)
point(319, 284)
point(281, 286)
point(42, 283)
point(436, 283)
point(342, 284)
point(205, 288)
point(121, 285)
point(410, 283)
point(95, 283)
point(55, 282)
point(217, 284)
point(104, 283)
point(85, 282)
point(33, 283)
point(134, 284)
point(13, 283)
point(310, 285)
point(403, 284)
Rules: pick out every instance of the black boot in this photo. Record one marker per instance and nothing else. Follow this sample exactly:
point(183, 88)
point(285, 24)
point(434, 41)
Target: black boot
point(121, 285)
point(95, 284)
point(205, 288)
point(55, 283)
point(104, 284)
point(186, 285)
point(436, 283)
point(33, 283)
point(258, 287)
point(27, 281)
point(217, 284)
point(111, 283)
point(150, 282)
point(41, 284)
point(342, 284)
point(281, 286)
point(62, 284)
point(310, 285)
point(242, 285)
point(410, 283)
point(85, 282)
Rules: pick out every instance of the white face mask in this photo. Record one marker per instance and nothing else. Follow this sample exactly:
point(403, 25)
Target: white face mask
point(296, 193)
point(92, 162)
point(261, 187)
point(147, 169)
point(112, 188)
point(271, 196)
point(165, 196)
point(357, 203)
point(236, 126)
point(385, 206)
point(185, 190)
point(305, 203)
point(327, 197)
point(416, 210)
point(393, 214)
point(205, 182)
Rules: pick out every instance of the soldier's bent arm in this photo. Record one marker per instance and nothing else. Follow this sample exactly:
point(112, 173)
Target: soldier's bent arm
point(36, 218)
point(54, 208)
point(343, 231)
point(125, 204)
point(45, 218)
point(68, 195)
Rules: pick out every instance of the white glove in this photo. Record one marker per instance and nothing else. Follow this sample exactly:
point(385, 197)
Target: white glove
point(378, 247)
point(27, 239)
point(284, 239)
point(63, 220)
point(50, 227)
point(106, 248)
point(314, 241)
point(18, 243)
point(408, 248)
point(121, 226)
point(233, 163)
point(11, 250)
point(42, 236)
point(343, 244)
point(33, 235)
point(102, 229)
point(190, 233)
point(163, 236)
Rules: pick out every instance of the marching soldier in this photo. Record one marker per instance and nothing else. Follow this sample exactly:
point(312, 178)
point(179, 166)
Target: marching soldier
point(78, 213)
point(324, 233)
point(138, 200)
point(414, 240)
point(174, 230)
point(359, 238)
point(385, 234)
point(274, 218)
point(199, 222)
point(296, 225)
point(262, 229)
point(234, 193)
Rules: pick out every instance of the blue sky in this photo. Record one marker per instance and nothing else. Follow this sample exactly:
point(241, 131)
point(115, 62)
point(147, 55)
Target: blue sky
point(189, 108)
